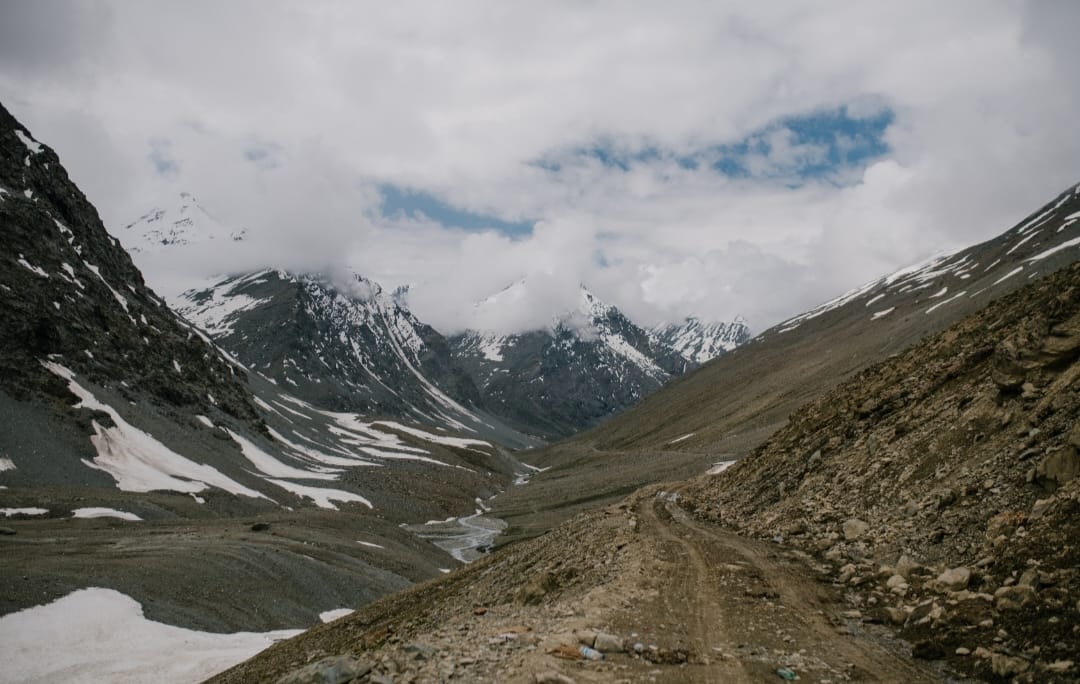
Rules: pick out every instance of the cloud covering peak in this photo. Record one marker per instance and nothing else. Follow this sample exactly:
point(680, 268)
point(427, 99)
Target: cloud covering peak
point(690, 158)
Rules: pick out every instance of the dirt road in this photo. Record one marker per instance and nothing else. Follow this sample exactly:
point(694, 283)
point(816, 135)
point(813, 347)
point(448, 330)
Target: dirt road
point(744, 609)
point(690, 603)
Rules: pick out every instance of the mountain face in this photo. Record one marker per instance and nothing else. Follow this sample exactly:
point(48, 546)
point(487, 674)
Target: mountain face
point(111, 404)
point(589, 364)
point(698, 342)
point(70, 294)
point(178, 221)
point(350, 347)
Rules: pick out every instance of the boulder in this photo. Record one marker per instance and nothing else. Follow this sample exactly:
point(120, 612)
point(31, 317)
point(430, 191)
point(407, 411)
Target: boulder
point(854, 528)
point(1008, 666)
point(954, 579)
point(1014, 597)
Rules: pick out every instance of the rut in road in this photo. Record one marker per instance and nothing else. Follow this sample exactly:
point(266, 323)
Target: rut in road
point(743, 609)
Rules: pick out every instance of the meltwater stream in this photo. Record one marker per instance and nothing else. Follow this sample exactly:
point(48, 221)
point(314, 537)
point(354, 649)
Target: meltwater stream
point(466, 539)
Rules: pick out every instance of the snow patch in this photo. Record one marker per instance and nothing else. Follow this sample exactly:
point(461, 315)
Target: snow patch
point(883, 313)
point(331, 615)
point(321, 497)
point(8, 512)
point(103, 513)
point(100, 635)
point(33, 145)
point(6, 464)
point(139, 462)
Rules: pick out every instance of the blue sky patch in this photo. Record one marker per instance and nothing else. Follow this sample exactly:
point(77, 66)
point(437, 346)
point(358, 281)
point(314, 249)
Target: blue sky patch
point(409, 202)
point(165, 164)
point(818, 145)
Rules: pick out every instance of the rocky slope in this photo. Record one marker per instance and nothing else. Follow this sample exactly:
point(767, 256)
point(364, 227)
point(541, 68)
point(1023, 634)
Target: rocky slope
point(590, 364)
point(942, 488)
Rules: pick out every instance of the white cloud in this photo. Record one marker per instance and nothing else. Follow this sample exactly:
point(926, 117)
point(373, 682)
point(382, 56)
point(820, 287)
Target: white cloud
point(285, 118)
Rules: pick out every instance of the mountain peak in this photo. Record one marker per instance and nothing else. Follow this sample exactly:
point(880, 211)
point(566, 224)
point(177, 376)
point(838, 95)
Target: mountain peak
point(176, 221)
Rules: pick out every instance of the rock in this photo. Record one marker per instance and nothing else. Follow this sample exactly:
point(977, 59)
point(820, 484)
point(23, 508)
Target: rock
point(1007, 666)
point(1040, 507)
point(479, 610)
point(896, 583)
point(928, 649)
point(586, 637)
point(1030, 578)
point(260, 527)
point(897, 616)
point(551, 678)
point(6, 530)
point(954, 579)
point(420, 651)
point(851, 615)
point(1013, 598)
point(608, 643)
point(854, 528)
point(961, 651)
point(905, 566)
point(983, 653)
point(1060, 666)
point(332, 670)
point(1058, 468)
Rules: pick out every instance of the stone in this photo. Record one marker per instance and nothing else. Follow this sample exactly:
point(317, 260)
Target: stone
point(954, 579)
point(905, 566)
point(855, 528)
point(1040, 507)
point(551, 677)
point(928, 649)
point(260, 527)
point(420, 651)
point(1014, 597)
point(1060, 666)
point(897, 616)
point(586, 637)
point(332, 670)
point(6, 531)
point(895, 582)
point(1030, 578)
point(1058, 468)
point(608, 643)
point(961, 651)
point(1007, 666)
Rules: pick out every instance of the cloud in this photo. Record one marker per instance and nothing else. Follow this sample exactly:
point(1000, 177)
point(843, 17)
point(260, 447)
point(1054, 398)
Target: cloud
point(712, 159)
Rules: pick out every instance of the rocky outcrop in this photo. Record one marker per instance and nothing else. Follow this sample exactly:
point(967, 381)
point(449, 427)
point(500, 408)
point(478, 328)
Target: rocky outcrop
point(961, 457)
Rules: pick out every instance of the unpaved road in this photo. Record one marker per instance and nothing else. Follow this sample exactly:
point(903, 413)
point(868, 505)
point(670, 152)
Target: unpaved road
point(745, 608)
point(704, 605)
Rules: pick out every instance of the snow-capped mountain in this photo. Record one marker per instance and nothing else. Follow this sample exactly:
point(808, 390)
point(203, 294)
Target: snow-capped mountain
point(176, 221)
point(113, 405)
point(347, 346)
point(589, 363)
point(699, 342)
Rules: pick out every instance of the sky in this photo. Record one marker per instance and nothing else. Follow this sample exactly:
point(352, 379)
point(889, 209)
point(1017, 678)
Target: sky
point(678, 158)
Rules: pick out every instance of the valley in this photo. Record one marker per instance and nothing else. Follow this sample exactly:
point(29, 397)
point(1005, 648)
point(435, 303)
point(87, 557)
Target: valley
point(881, 488)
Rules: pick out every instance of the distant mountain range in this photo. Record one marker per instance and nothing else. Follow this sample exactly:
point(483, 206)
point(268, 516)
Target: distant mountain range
point(350, 345)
